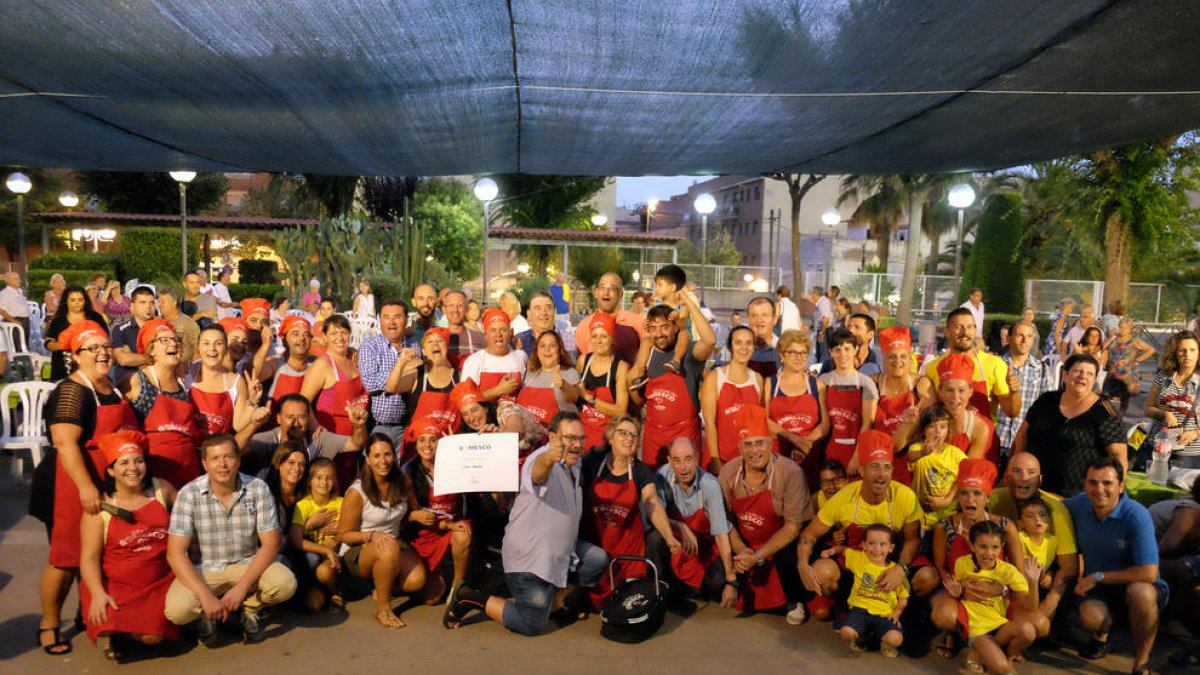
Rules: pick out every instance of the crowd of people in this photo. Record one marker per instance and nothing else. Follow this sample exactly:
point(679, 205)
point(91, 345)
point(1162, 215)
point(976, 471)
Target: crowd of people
point(212, 459)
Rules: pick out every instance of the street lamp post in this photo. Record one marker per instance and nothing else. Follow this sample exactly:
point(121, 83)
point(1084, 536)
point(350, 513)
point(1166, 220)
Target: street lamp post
point(19, 184)
point(704, 204)
point(69, 200)
point(830, 217)
point(485, 191)
point(961, 196)
point(183, 178)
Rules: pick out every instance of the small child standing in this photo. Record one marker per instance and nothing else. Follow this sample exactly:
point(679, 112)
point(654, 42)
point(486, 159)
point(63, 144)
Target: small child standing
point(1033, 519)
point(669, 282)
point(314, 530)
point(995, 639)
point(872, 609)
point(934, 466)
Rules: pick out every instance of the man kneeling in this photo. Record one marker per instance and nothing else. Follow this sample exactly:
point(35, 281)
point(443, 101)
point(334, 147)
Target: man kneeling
point(232, 517)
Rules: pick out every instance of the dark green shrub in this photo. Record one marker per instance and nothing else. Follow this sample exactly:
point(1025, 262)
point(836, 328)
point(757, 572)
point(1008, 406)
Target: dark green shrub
point(75, 260)
point(39, 280)
point(154, 253)
point(991, 265)
point(239, 292)
point(257, 271)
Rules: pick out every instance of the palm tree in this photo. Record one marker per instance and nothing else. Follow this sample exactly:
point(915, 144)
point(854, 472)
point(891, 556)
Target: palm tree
point(881, 204)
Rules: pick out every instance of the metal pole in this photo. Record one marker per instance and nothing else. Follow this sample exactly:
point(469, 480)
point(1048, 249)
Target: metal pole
point(487, 207)
point(957, 251)
point(642, 252)
point(1157, 303)
point(771, 245)
point(565, 269)
point(182, 224)
point(45, 239)
point(21, 235)
point(703, 253)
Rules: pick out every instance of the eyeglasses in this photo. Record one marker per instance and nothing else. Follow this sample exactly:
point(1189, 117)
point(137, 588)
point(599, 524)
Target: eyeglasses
point(574, 439)
point(168, 340)
point(794, 352)
point(625, 433)
point(106, 347)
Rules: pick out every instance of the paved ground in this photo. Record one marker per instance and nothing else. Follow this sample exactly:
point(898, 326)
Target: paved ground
point(711, 641)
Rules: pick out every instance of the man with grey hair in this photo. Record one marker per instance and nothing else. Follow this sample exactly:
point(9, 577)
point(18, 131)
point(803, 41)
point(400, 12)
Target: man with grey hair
point(13, 306)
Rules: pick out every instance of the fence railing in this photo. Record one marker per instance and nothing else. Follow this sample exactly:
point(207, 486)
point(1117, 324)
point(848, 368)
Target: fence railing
point(717, 277)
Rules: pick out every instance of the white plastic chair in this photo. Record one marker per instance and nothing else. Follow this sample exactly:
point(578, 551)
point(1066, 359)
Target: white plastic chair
point(13, 331)
point(361, 330)
point(29, 430)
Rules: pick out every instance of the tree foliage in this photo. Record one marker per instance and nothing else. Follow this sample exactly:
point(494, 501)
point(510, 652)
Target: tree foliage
point(43, 197)
point(995, 265)
point(384, 196)
point(285, 196)
point(335, 193)
point(156, 192)
point(545, 203)
point(453, 222)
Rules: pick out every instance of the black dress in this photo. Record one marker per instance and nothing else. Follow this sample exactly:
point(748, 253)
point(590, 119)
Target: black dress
point(58, 359)
point(1063, 446)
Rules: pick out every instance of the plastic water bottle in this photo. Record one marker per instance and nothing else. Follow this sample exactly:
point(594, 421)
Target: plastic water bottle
point(1160, 465)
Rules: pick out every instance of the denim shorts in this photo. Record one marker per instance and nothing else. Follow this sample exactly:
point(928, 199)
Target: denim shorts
point(863, 622)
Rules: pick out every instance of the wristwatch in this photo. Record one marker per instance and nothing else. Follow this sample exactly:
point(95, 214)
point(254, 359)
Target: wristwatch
point(733, 582)
point(761, 560)
point(1098, 576)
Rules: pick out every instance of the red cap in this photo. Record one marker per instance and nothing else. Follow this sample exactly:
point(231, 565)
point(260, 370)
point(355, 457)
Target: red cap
point(604, 321)
point(252, 306)
point(292, 322)
point(118, 443)
point(750, 420)
point(443, 333)
point(492, 316)
point(874, 446)
point(464, 394)
point(428, 426)
point(233, 323)
point(956, 366)
point(976, 473)
point(895, 338)
point(151, 330)
point(80, 332)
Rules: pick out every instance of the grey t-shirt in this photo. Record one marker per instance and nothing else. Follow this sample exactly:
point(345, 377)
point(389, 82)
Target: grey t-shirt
point(544, 523)
point(262, 445)
point(693, 370)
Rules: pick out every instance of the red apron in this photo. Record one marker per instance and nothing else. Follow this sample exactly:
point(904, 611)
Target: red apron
point(670, 413)
point(285, 384)
point(490, 378)
point(757, 521)
point(613, 520)
point(887, 419)
point(595, 421)
point(432, 404)
point(730, 399)
point(432, 544)
point(64, 537)
point(690, 569)
point(980, 400)
point(962, 440)
point(799, 414)
point(331, 414)
point(844, 404)
point(216, 410)
point(172, 434)
point(540, 401)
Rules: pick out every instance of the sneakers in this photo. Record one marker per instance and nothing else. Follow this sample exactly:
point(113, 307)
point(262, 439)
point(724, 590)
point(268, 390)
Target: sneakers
point(888, 651)
point(858, 646)
point(797, 615)
point(252, 628)
point(1096, 649)
point(206, 631)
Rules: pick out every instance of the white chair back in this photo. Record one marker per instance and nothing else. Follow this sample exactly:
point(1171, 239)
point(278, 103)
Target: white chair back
point(15, 335)
point(22, 427)
point(302, 314)
point(361, 330)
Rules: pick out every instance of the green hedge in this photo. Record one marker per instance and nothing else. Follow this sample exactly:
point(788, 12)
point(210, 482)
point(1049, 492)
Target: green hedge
point(153, 253)
point(257, 271)
point(990, 265)
point(75, 260)
point(239, 292)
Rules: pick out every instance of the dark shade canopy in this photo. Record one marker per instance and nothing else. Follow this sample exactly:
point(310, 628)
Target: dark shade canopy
point(589, 87)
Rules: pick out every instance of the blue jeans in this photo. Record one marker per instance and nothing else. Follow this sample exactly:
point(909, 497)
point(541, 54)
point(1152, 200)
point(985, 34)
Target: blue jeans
point(393, 431)
point(533, 597)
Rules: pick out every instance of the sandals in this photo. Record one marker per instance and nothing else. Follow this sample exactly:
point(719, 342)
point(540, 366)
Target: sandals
point(59, 647)
point(111, 651)
point(336, 605)
point(948, 646)
point(457, 609)
point(389, 620)
point(974, 666)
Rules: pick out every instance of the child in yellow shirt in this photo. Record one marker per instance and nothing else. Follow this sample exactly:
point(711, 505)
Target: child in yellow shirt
point(1033, 519)
point(994, 638)
point(314, 530)
point(934, 466)
point(872, 609)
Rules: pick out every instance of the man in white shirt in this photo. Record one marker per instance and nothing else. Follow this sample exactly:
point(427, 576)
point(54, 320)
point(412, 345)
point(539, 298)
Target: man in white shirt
point(220, 291)
point(974, 304)
point(13, 306)
point(497, 368)
point(789, 313)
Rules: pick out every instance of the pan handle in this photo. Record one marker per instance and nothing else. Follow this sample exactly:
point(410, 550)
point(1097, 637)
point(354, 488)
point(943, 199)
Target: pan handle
point(612, 577)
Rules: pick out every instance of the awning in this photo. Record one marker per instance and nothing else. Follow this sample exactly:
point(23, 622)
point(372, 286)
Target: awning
point(589, 87)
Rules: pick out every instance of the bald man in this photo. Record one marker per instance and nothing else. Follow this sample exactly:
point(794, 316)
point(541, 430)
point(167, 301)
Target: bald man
point(421, 318)
point(1022, 480)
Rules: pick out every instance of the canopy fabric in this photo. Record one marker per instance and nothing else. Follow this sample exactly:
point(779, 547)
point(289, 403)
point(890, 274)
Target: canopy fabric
point(589, 87)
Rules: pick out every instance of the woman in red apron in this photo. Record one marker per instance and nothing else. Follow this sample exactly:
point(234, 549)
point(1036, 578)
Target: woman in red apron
point(82, 407)
point(167, 413)
point(605, 392)
point(430, 396)
point(613, 502)
point(286, 372)
point(897, 391)
point(498, 363)
point(725, 390)
point(794, 410)
point(437, 525)
point(123, 563)
point(333, 384)
point(551, 385)
point(220, 396)
point(848, 401)
point(969, 430)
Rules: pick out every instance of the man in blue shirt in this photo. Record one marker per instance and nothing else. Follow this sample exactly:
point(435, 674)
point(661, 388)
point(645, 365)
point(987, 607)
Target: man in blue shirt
point(1115, 535)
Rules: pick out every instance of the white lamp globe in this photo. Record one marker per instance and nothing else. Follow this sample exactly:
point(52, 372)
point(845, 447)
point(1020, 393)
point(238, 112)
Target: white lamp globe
point(961, 196)
point(183, 176)
point(18, 183)
point(486, 189)
point(705, 204)
point(831, 217)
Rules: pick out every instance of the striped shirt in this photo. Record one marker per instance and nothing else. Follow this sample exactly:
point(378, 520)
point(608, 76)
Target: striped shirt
point(1036, 378)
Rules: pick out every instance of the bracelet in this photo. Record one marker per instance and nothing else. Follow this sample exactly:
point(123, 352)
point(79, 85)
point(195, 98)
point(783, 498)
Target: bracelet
point(733, 582)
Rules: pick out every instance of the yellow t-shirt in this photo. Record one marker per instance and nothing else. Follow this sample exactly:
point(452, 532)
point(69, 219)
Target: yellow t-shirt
point(304, 510)
point(933, 477)
point(864, 594)
point(1061, 524)
point(1044, 553)
point(846, 507)
point(985, 616)
point(994, 373)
